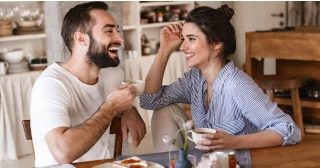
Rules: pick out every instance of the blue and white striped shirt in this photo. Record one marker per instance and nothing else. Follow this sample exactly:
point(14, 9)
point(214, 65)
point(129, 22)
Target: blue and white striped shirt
point(238, 105)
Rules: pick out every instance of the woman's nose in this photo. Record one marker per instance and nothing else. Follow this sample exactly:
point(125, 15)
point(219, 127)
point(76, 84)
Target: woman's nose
point(183, 46)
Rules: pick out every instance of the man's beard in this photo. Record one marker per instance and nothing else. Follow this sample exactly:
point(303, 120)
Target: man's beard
point(98, 55)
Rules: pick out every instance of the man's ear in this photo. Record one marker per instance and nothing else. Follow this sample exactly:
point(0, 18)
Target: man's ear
point(81, 38)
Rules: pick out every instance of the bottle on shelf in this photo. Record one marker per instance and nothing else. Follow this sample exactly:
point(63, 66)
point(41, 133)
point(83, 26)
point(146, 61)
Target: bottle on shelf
point(159, 17)
point(176, 14)
point(146, 46)
point(167, 14)
point(184, 14)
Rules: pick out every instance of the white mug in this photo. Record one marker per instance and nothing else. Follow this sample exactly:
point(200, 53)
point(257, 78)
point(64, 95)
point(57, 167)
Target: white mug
point(196, 133)
point(138, 85)
point(3, 68)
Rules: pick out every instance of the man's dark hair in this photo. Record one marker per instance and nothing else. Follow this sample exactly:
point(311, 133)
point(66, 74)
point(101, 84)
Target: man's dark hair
point(78, 19)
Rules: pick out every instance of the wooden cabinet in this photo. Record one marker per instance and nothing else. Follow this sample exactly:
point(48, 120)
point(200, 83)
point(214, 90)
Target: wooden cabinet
point(133, 30)
point(297, 54)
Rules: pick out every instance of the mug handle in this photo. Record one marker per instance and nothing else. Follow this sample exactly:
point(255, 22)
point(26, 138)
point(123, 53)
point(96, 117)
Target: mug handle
point(189, 137)
point(6, 65)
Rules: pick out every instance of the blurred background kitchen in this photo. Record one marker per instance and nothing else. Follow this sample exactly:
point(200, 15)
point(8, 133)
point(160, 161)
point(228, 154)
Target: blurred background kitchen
point(30, 41)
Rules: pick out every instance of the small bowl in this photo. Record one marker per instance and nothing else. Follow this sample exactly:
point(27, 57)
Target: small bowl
point(29, 23)
point(12, 56)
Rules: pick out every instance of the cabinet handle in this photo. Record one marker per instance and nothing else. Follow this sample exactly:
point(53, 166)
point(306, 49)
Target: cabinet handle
point(277, 14)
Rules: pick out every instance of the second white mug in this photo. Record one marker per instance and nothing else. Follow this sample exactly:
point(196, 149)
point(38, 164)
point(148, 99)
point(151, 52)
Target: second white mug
point(196, 133)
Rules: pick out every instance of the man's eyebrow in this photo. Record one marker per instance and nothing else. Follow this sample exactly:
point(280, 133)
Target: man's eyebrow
point(110, 25)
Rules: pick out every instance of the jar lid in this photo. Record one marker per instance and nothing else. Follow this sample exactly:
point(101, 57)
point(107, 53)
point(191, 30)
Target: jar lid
point(232, 153)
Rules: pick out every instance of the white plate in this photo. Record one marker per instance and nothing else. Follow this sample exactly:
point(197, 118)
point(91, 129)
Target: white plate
point(38, 65)
point(110, 165)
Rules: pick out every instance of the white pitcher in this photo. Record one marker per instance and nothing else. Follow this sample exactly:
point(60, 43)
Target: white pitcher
point(3, 68)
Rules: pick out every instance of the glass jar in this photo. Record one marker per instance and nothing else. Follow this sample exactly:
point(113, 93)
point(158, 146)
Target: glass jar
point(232, 159)
point(146, 49)
point(159, 17)
point(205, 161)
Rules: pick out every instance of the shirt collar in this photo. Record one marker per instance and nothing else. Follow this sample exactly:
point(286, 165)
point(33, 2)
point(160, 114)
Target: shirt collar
point(223, 75)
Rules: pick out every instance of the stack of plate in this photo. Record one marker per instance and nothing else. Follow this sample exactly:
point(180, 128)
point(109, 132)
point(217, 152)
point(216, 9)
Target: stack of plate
point(5, 28)
point(27, 27)
point(18, 67)
point(28, 30)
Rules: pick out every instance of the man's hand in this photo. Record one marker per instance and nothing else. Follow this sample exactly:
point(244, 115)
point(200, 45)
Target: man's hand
point(132, 120)
point(121, 98)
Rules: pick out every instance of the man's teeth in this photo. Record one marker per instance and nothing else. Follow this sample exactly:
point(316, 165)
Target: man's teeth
point(114, 48)
point(189, 55)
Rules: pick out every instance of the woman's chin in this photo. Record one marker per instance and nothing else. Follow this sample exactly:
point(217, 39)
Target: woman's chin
point(190, 64)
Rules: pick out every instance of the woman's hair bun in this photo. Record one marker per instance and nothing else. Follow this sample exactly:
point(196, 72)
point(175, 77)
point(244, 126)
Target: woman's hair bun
point(228, 12)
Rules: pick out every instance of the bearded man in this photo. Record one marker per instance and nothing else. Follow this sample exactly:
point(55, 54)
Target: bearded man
point(74, 102)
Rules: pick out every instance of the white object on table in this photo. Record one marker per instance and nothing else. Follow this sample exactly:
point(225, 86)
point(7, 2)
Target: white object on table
point(61, 166)
point(223, 159)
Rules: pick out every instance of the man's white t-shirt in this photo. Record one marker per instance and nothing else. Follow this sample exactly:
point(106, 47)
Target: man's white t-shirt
point(60, 99)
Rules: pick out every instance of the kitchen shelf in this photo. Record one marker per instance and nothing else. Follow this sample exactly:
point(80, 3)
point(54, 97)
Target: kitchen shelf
point(154, 55)
point(33, 45)
point(152, 4)
point(22, 37)
point(162, 24)
point(130, 27)
point(133, 30)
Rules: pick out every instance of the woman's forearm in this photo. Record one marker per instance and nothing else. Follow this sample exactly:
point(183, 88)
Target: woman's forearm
point(261, 139)
point(156, 72)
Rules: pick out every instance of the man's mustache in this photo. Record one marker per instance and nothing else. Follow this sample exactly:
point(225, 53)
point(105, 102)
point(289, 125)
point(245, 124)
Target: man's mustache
point(114, 43)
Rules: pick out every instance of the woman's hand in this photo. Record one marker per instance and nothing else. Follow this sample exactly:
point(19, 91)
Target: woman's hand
point(170, 36)
point(219, 140)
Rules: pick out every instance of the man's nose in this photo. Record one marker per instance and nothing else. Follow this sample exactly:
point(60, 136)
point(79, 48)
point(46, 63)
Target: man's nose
point(119, 38)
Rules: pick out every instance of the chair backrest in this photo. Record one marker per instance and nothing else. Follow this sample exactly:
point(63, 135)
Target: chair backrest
point(115, 128)
point(27, 129)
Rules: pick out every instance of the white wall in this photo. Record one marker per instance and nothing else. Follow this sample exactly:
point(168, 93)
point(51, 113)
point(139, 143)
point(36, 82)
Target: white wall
point(212, 4)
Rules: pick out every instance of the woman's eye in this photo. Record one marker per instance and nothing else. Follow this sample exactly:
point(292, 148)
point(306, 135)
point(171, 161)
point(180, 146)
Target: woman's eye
point(182, 39)
point(191, 39)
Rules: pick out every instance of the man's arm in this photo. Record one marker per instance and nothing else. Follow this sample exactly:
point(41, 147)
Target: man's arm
point(68, 144)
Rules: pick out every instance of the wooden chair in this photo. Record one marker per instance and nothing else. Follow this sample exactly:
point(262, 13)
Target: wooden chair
point(115, 128)
point(270, 83)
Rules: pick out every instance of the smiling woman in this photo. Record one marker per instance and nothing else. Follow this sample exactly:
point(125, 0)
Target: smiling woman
point(221, 96)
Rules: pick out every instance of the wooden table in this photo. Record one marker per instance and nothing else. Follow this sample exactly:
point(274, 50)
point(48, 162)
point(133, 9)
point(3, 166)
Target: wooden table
point(90, 164)
point(305, 155)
